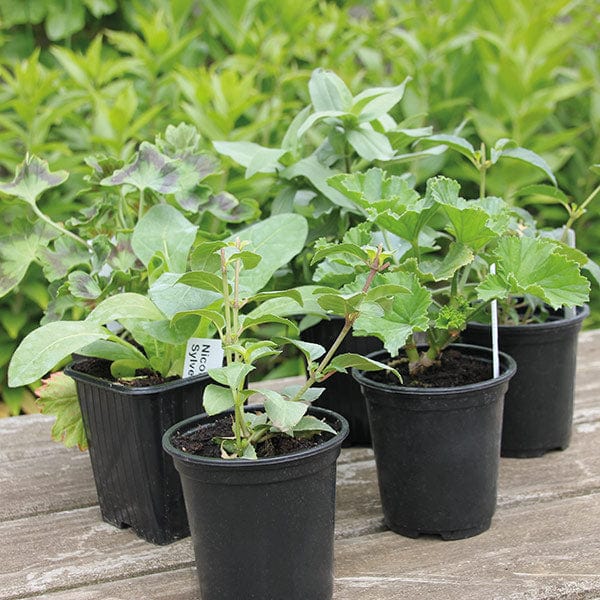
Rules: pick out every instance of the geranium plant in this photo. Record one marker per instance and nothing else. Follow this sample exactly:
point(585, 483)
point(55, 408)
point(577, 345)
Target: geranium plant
point(444, 246)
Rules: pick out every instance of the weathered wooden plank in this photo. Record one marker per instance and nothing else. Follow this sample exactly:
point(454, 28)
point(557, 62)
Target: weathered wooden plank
point(541, 552)
point(547, 552)
point(71, 548)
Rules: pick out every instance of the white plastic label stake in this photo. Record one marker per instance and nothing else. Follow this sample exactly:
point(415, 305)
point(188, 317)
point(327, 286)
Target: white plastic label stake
point(495, 354)
point(570, 312)
point(200, 355)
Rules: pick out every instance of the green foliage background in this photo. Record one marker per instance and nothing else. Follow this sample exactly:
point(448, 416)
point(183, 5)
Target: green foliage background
point(81, 77)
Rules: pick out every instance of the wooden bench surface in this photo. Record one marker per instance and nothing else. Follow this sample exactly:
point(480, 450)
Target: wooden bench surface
point(544, 542)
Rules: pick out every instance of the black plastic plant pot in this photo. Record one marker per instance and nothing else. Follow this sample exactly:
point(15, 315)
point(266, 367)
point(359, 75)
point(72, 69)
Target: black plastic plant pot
point(342, 393)
point(437, 451)
point(137, 485)
point(538, 408)
point(262, 529)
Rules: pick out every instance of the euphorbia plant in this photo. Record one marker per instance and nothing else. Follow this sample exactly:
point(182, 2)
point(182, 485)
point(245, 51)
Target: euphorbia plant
point(228, 271)
point(444, 248)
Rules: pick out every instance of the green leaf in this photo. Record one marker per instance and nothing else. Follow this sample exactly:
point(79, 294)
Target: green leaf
point(32, 178)
point(328, 92)
point(58, 396)
point(202, 280)
point(309, 424)
point(343, 362)
point(256, 158)
point(505, 148)
point(46, 346)
point(333, 249)
point(452, 141)
point(309, 395)
point(216, 318)
point(340, 304)
point(111, 351)
point(287, 306)
point(83, 285)
point(318, 174)
point(127, 367)
point(122, 306)
point(64, 256)
point(172, 297)
point(283, 414)
point(248, 322)
point(277, 240)
point(312, 351)
point(370, 144)
point(376, 102)
point(546, 191)
point(150, 169)
point(319, 116)
point(17, 252)
point(232, 375)
point(164, 229)
point(217, 399)
point(441, 269)
point(393, 320)
point(533, 266)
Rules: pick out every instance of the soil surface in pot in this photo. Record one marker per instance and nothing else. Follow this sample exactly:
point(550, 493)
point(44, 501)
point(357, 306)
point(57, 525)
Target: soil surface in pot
point(200, 441)
point(452, 370)
point(99, 367)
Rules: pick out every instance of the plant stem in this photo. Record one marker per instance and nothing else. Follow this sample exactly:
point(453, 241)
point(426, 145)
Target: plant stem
point(226, 306)
point(482, 172)
point(578, 212)
point(58, 227)
point(141, 205)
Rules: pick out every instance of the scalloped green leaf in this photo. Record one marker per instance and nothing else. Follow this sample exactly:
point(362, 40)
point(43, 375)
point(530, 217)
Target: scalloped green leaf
point(393, 320)
point(533, 266)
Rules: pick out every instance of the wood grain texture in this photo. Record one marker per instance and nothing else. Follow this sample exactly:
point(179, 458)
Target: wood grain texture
point(544, 543)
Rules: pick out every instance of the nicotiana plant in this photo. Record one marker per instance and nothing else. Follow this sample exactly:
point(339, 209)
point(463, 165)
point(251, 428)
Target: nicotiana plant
point(133, 330)
point(229, 272)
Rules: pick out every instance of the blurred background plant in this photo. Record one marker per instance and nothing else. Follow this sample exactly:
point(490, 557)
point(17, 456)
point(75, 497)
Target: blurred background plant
point(88, 77)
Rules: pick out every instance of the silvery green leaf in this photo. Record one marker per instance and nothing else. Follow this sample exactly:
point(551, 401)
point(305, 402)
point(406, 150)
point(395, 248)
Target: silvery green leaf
point(122, 306)
point(45, 347)
point(308, 423)
point(217, 399)
point(232, 375)
point(164, 229)
point(283, 414)
point(328, 92)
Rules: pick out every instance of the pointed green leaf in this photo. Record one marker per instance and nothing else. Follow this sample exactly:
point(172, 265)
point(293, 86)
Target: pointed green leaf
point(232, 375)
point(452, 141)
point(46, 346)
point(506, 148)
point(312, 351)
point(217, 399)
point(172, 297)
point(309, 395)
point(532, 266)
point(284, 306)
point(256, 158)
point(319, 116)
point(202, 280)
point(333, 249)
point(111, 351)
point(32, 178)
point(328, 91)
point(343, 362)
point(376, 102)
point(283, 414)
point(309, 424)
point(164, 229)
point(370, 144)
point(277, 240)
point(126, 305)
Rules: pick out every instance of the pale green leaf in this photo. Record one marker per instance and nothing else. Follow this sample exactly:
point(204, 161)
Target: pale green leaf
point(283, 414)
point(164, 229)
point(45, 347)
point(533, 266)
point(232, 375)
point(172, 297)
point(308, 424)
point(217, 399)
point(122, 306)
point(328, 92)
point(370, 144)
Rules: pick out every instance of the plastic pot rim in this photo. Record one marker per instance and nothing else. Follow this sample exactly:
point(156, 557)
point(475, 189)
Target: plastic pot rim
point(260, 463)
point(127, 390)
point(508, 368)
point(582, 313)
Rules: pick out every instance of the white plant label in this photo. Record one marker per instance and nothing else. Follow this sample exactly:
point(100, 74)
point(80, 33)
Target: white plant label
point(201, 355)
